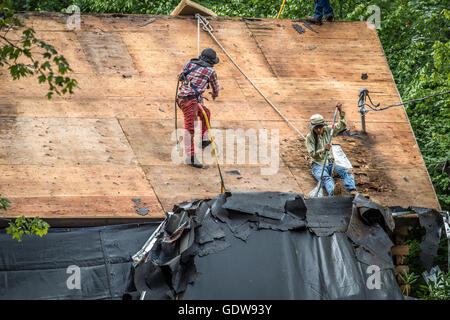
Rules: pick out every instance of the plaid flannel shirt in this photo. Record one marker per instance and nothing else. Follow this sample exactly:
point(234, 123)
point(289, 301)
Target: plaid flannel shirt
point(199, 79)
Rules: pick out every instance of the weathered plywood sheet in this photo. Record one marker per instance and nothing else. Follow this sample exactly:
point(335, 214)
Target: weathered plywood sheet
point(87, 155)
point(84, 207)
point(87, 180)
point(154, 141)
point(411, 186)
point(63, 142)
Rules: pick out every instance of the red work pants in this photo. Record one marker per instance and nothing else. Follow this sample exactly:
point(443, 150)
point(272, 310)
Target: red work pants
point(191, 111)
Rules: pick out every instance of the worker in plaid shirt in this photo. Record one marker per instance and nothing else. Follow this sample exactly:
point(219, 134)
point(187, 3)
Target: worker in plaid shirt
point(198, 75)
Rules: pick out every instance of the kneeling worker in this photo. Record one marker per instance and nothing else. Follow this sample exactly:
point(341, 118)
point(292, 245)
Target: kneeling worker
point(317, 145)
point(197, 74)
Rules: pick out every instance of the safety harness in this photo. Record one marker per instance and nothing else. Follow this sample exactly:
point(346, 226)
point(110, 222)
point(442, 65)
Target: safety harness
point(186, 81)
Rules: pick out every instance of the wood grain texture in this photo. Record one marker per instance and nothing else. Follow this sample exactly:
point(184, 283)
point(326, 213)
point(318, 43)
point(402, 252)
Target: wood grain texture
point(86, 155)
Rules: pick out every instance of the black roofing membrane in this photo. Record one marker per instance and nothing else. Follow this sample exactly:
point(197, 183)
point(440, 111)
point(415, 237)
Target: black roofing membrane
point(238, 245)
point(36, 268)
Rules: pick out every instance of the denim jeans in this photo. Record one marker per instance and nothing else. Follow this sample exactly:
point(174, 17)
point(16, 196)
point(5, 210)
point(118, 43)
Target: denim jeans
point(327, 180)
point(322, 8)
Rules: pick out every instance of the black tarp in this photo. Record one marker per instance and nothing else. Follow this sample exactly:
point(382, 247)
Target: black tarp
point(36, 268)
point(272, 245)
point(238, 245)
point(287, 265)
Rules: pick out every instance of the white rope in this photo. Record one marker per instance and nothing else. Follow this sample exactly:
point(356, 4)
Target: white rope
point(198, 38)
point(207, 27)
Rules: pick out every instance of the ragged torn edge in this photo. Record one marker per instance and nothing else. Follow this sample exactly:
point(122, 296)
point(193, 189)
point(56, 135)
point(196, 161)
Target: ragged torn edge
point(432, 221)
point(166, 263)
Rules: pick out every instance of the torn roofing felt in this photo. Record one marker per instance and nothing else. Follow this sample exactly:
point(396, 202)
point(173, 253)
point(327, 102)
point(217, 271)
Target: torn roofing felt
point(238, 245)
point(269, 245)
point(47, 267)
point(432, 221)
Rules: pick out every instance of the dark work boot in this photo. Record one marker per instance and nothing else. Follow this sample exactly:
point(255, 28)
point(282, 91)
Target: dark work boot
point(192, 161)
point(313, 20)
point(329, 18)
point(205, 143)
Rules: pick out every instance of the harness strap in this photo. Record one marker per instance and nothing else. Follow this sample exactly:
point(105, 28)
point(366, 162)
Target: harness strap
point(197, 94)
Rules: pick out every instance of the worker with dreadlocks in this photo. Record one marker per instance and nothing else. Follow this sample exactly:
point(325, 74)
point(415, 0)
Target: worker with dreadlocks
point(317, 145)
point(198, 75)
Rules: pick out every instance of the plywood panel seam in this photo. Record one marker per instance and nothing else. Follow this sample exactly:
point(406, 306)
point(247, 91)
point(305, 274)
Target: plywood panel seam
point(134, 153)
point(260, 49)
point(295, 178)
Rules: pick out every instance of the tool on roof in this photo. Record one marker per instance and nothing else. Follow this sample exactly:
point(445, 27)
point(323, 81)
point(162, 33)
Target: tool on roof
point(222, 187)
point(176, 119)
point(208, 28)
point(364, 94)
point(317, 192)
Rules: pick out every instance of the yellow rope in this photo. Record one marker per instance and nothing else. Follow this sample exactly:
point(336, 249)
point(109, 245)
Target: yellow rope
point(222, 187)
point(281, 9)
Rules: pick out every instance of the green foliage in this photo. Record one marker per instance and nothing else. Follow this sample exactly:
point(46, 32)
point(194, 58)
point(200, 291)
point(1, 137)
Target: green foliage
point(27, 226)
point(413, 240)
point(4, 203)
point(19, 55)
point(23, 225)
point(438, 289)
point(415, 236)
point(100, 6)
point(408, 279)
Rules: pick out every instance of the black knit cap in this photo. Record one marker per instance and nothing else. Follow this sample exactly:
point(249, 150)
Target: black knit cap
point(209, 55)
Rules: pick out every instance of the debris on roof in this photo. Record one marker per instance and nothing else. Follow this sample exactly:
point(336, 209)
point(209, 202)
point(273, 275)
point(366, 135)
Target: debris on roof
point(370, 177)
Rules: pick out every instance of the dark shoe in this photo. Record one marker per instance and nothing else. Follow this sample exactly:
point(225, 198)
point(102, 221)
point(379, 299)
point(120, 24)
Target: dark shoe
point(313, 20)
point(205, 143)
point(329, 18)
point(192, 161)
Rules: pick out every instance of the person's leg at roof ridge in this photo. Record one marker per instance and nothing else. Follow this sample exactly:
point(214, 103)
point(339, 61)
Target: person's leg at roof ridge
point(318, 10)
point(327, 10)
point(321, 8)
